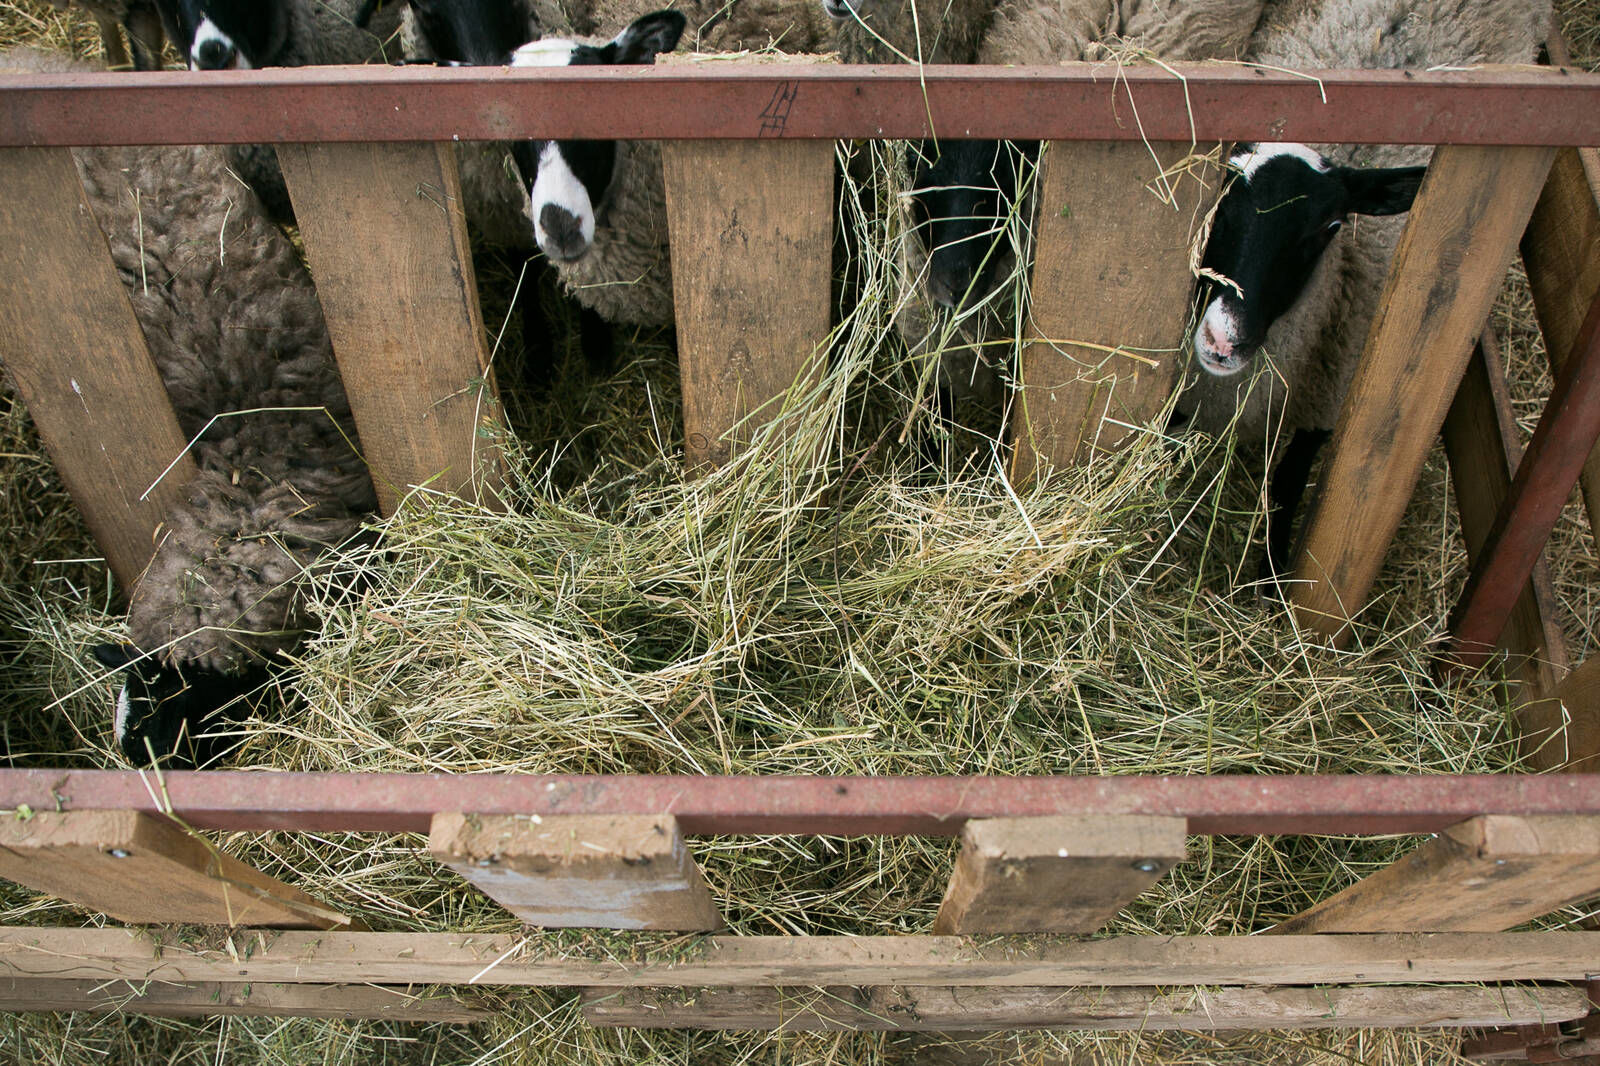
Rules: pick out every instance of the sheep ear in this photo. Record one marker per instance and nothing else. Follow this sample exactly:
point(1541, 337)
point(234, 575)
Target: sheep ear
point(113, 656)
point(1381, 190)
point(646, 37)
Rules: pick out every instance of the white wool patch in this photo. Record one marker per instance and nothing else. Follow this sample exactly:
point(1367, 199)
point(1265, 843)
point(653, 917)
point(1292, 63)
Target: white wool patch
point(119, 725)
point(1253, 160)
point(548, 52)
point(208, 32)
point(558, 185)
point(1218, 325)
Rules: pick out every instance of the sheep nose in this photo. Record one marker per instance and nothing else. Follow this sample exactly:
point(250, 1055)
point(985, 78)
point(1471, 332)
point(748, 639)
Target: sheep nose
point(213, 54)
point(562, 231)
point(1219, 344)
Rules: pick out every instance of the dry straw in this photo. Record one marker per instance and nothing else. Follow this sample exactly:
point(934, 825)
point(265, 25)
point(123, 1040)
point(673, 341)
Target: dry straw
point(833, 601)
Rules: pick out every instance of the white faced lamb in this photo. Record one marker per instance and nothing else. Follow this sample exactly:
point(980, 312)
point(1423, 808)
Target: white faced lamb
point(141, 19)
point(1303, 276)
point(235, 329)
point(249, 34)
point(599, 208)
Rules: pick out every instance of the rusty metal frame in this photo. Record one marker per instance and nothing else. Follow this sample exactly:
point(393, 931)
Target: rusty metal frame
point(927, 806)
point(1206, 102)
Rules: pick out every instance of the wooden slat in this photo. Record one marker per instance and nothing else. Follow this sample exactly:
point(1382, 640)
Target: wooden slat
point(1062, 875)
point(387, 242)
point(1561, 250)
point(612, 872)
point(69, 339)
point(1480, 439)
point(211, 999)
point(1578, 697)
point(752, 231)
point(1095, 366)
point(1144, 1009)
point(1450, 262)
point(1483, 875)
point(140, 868)
point(665, 960)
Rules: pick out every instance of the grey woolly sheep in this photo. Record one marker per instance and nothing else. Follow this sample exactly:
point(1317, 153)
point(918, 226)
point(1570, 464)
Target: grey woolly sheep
point(1041, 32)
point(599, 207)
point(233, 325)
point(909, 31)
point(1308, 302)
point(142, 21)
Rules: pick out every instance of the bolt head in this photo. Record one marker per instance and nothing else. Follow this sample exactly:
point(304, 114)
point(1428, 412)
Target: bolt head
point(1147, 866)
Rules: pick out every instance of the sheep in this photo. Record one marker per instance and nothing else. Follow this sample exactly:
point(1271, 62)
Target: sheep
point(914, 31)
point(141, 19)
point(599, 207)
point(730, 25)
point(247, 34)
point(1300, 281)
point(964, 194)
point(233, 325)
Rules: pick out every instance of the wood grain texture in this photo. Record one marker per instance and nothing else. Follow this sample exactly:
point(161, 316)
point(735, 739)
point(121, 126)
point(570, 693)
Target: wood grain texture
point(610, 872)
point(69, 339)
point(1448, 267)
point(1486, 874)
point(142, 869)
point(751, 224)
point(387, 243)
point(1578, 700)
point(1110, 297)
point(211, 999)
point(1561, 251)
point(1481, 441)
point(1144, 1009)
point(1057, 875)
point(664, 960)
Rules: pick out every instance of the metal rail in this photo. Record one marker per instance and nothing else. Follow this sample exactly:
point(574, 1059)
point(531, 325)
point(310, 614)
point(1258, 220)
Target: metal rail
point(925, 806)
point(1081, 101)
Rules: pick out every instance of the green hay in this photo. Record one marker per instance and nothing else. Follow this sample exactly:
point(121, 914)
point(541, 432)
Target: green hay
point(830, 602)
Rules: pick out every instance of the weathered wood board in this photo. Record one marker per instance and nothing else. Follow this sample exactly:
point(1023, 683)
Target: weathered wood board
point(212, 999)
point(386, 239)
point(1486, 874)
point(1110, 296)
point(1142, 1009)
point(612, 872)
point(69, 338)
point(1448, 267)
point(1060, 874)
point(141, 869)
point(751, 226)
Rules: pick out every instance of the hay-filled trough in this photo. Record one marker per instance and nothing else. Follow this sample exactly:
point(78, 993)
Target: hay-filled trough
point(819, 603)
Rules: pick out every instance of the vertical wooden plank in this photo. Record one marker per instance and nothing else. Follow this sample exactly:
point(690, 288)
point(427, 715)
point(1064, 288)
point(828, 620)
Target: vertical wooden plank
point(751, 224)
point(386, 239)
point(1481, 876)
point(1480, 439)
point(1577, 702)
point(69, 337)
point(1060, 874)
point(1094, 363)
point(1561, 251)
point(602, 871)
point(141, 869)
point(249, 1000)
point(1450, 263)
point(845, 1008)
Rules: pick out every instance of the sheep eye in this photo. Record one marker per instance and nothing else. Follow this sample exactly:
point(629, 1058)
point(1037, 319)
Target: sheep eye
point(1334, 227)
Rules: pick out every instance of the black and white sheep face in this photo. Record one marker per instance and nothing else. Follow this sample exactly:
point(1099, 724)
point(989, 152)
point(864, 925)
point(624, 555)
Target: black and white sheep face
point(962, 198)
point(228, 34)
point(569, 182)
point(172, 712)
point(473, 33)
point(1284, 207)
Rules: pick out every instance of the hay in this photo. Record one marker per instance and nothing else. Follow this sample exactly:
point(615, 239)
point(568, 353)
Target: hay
point(830, 602)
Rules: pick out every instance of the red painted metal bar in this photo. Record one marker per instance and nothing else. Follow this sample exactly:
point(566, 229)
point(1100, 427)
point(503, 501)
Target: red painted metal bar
point(1545, 478)
point(1070, 102)
point(927, 806)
